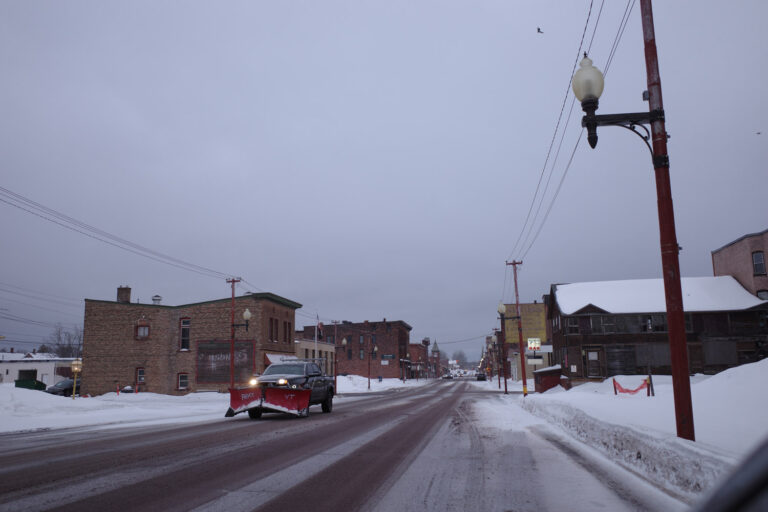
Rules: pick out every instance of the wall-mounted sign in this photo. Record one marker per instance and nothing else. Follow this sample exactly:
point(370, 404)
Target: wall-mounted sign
point(534, 343)
point(384, 363)
point(387, 356)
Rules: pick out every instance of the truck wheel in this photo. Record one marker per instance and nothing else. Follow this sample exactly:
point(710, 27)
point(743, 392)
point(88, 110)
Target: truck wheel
point(255, 413)
point(328, 402)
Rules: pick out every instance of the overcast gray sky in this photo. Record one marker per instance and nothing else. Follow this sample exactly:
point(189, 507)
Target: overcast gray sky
point(366, 159)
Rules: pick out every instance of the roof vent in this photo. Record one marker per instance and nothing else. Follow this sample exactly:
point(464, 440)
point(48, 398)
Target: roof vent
point(156, 299)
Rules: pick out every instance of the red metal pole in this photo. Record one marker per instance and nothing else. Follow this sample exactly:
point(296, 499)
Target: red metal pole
point(520, 328)
point(232, 336)
point(681, 385)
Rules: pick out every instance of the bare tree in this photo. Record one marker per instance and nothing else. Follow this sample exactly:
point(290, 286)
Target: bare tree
point(66, 342)
point(460, 356)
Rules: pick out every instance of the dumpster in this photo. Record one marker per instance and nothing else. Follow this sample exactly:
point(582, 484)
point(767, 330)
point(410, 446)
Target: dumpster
point(30, 384)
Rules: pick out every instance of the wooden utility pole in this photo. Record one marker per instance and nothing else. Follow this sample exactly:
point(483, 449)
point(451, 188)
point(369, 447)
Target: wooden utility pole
point(519, 327)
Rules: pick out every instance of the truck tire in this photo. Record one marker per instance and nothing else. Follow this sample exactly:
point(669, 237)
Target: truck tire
point(328, 402)
point(254, 413)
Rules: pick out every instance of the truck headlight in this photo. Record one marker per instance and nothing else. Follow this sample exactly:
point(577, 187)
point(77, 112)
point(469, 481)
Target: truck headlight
point(254, 381)
point(282, 382)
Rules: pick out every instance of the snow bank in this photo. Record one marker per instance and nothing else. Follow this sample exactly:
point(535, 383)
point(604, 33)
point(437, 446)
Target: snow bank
point(730, 419)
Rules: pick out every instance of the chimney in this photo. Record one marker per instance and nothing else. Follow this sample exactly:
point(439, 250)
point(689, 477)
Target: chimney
point(156, 300)
point(124, 294)
point(34, 351)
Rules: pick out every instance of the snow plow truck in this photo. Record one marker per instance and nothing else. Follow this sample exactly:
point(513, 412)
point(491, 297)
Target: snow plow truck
point(290, 386)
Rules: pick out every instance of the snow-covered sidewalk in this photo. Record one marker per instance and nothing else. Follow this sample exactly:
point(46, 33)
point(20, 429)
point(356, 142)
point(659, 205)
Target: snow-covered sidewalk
point(639, 432)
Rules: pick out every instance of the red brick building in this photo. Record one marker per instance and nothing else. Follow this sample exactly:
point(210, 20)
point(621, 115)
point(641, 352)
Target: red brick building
point(419, 362)
point(178, 349)
point(744, 259)
point(390, 340)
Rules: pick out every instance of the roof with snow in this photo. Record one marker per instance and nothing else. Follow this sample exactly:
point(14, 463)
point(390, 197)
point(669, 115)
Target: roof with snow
point(720, 293)
point(29, 356)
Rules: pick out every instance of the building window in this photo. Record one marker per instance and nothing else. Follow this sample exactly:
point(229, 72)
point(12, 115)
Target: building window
point(373, 354)
point(762, 294)
point(183, 380)
point(349, 354)
point(373, 339)
point(141, 331)
point(184, 324)
point(362, 354)
point(362, 339)
point(139, 376)
point(573, 325)
point(758, 263)
point(331, 340)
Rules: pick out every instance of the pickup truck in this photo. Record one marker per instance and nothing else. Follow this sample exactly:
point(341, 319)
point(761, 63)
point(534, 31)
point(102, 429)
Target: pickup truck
point(290, 386)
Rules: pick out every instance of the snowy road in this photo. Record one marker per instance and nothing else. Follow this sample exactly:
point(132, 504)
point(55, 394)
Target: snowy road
point(427, 448)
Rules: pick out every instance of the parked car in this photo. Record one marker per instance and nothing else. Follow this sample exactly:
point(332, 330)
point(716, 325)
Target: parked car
point(481, 376)
point(448, 376)
point(64, 388)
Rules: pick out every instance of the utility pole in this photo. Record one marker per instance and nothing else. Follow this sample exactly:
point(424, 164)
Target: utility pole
point(670, 263)
point(519, 327)
point(233, 281)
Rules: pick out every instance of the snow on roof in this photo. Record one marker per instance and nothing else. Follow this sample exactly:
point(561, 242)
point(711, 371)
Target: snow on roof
point(29, 356)
point(721, 293)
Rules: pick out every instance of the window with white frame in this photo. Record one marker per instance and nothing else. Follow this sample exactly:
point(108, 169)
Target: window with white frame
point(183, 380)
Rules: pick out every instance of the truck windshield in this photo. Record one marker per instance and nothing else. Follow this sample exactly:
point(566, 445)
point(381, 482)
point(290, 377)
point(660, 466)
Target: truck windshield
point(287, 369)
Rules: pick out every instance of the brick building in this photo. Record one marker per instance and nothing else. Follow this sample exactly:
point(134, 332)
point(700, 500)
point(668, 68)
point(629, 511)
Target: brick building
point(744, 259)
point(600, 329)
point(178, 349)
point(419, 363)
point(390, 339)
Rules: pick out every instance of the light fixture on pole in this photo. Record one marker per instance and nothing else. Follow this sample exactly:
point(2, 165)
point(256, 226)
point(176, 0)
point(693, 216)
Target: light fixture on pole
point(76, 366)
point(336, 364)
point(587, 86)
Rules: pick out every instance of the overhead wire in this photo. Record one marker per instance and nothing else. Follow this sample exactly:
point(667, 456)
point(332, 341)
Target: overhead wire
point(614, 47)
point(554, 137)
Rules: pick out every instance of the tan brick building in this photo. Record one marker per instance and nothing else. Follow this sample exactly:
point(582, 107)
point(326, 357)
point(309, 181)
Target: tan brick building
point(391, 340)
point(534, 323)
point(178, 349)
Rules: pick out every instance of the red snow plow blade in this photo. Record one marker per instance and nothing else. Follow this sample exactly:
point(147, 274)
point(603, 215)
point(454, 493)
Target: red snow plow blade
point(291, 401)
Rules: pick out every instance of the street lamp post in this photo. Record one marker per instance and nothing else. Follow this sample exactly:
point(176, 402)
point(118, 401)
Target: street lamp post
point(247, 317)
point(370, 356)
point(336, 364)
point(588, 86)
point(77, 367)
point(502, 309)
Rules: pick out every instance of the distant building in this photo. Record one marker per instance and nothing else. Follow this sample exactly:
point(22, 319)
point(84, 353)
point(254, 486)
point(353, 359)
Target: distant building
point(178, 349)
point(744, 259)
point(46, 368)
point(325, 352)
point(389, 338)
point(609, 328)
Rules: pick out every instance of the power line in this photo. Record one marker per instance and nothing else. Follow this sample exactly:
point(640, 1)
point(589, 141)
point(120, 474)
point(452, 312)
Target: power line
point(554, 137)
point(18, 201)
